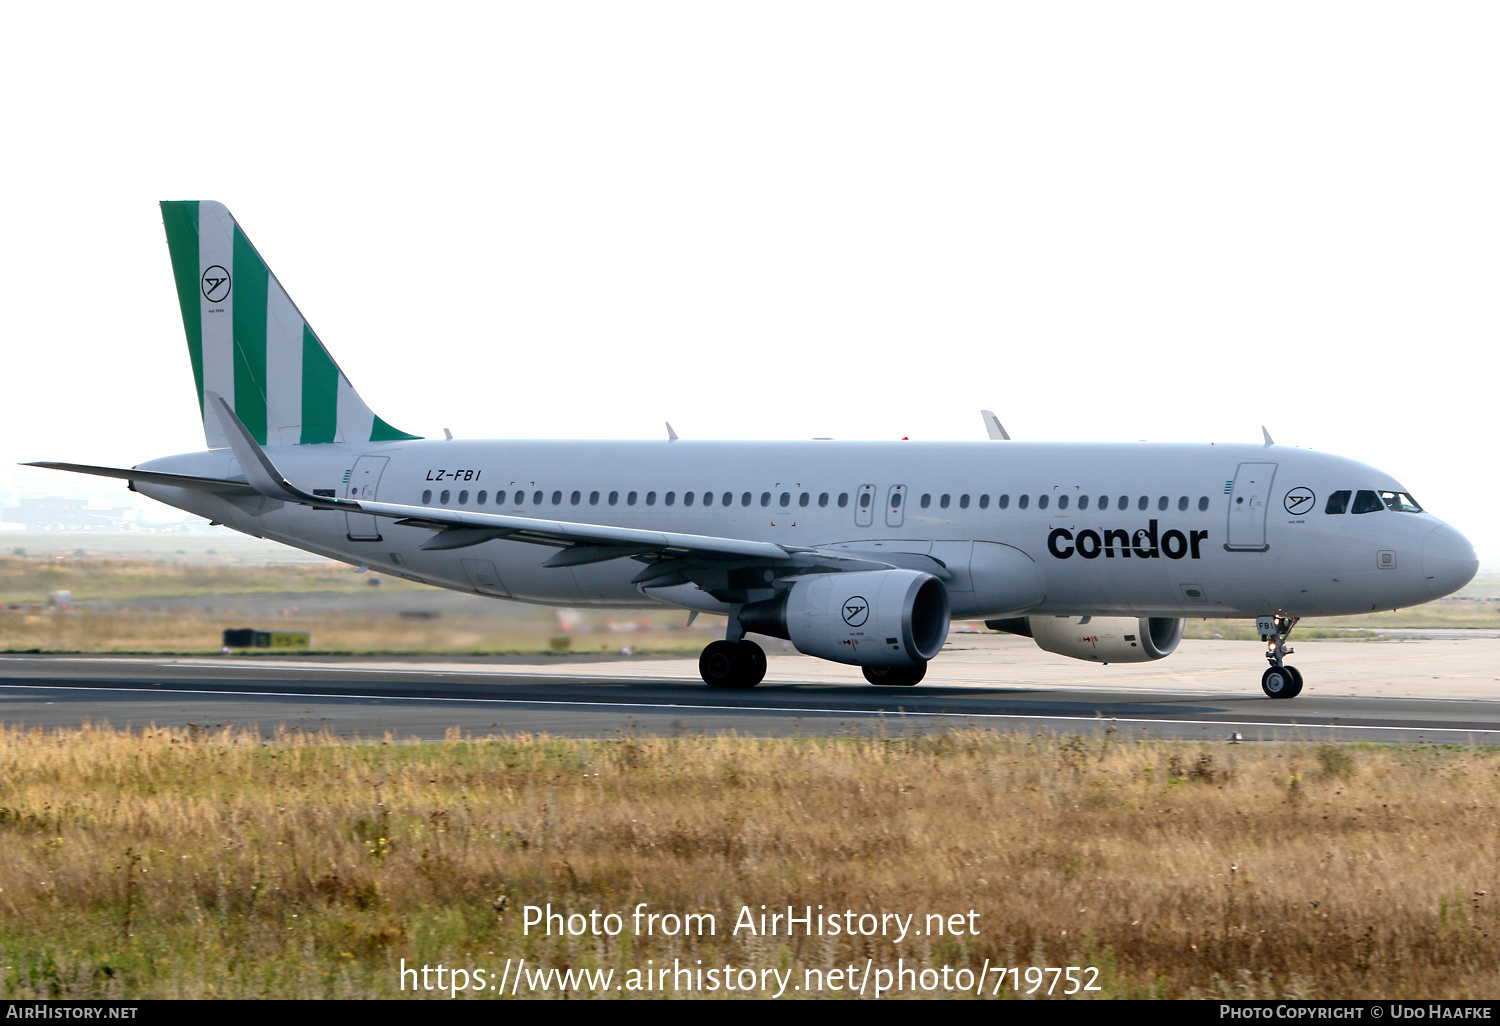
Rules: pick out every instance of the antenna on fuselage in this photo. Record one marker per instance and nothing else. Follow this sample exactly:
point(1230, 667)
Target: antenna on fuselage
point(1263, 431)
point(993, 427)
point(671, 435)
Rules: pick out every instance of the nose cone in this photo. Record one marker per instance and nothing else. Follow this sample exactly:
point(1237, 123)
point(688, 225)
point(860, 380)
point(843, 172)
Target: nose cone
point(1448, 561)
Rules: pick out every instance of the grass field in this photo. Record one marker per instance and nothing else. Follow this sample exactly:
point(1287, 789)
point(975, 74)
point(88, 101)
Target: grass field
point(180, 864)
point(138, 605)
point(183, 605)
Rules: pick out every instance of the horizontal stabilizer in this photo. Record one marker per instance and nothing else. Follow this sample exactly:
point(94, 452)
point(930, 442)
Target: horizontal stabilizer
point(200, 484)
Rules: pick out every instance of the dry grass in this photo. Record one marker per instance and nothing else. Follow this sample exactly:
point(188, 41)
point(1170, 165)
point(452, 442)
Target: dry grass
point(161, 863)
point(29, 579)
point(172, 631)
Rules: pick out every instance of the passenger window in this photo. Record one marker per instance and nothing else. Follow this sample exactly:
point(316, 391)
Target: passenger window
point(1144, 502)
point(984, 501)
point(1083, 502)
point(1042, 500)
point(670, 498)
point(822, 500)
point(1338, 502)
point(745, 499)
point(1104, 502)
point(895, 500)
point(943, 502)
point(630, 499)
point(575, 498)
point(1004, 502)
point(1161, 503)
point(963, 502)
point(1124, 503)
point(1400, 502)
point(427, 497)
point(727, 499)
point(593, 498)
point(614, 498)
point(1062, 502)
point(804, 500)
point(651, 498)
point(463, 497)
point(1023, 501)
point(926, 501)
point(843, 499)
point(1182, 503)
point(557, 498)
point(687, 498)
point(765, 498)
point(864, 500)
point(536, 500)
point(1202, 503)
point(443, 499)
point(1365, 501)
point(786, 499)
point(481, 497)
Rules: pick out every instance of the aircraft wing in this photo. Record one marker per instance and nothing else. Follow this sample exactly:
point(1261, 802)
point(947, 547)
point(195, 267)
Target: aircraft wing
point(673, 555)
point(582, 543)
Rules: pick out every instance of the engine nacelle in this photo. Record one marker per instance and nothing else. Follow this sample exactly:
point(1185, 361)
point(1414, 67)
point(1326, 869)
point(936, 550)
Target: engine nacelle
point(1099, 639)
point(867, 618)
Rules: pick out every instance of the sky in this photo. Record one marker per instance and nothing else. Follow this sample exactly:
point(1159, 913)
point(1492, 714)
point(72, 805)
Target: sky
point(1173, 222)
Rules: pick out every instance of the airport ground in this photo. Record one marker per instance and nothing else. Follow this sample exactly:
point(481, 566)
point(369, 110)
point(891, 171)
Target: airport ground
point(201, 825)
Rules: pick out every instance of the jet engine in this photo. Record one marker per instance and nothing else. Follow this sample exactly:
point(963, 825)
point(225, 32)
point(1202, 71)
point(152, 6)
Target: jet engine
point(868, 618)
point(1099, 639)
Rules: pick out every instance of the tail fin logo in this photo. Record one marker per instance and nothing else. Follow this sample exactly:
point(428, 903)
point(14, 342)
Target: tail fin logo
point(215, 284)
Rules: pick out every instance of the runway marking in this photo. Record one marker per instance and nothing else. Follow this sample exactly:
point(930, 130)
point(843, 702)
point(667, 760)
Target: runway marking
point(1125, 685)
point(1219, 724)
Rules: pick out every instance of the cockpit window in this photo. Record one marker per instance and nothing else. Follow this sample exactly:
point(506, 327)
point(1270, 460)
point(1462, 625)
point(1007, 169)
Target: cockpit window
point(1366, 501)
point(1338, 502)
point(1400, 502)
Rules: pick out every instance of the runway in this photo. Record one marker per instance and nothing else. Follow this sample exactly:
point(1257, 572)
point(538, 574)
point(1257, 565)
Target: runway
point(1432, 692)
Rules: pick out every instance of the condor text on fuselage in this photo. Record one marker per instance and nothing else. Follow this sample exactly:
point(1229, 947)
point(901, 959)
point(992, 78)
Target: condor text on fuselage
point(1089, 543)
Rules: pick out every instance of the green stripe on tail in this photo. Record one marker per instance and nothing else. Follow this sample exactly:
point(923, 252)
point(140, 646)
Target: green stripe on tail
point(281, 371)
point(181, 220)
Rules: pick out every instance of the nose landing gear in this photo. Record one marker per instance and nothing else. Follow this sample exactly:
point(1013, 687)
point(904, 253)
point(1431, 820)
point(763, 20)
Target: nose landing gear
point(1279, 680)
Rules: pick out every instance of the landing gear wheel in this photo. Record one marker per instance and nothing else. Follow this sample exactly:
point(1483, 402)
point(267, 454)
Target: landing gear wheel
point(895, 676)
point(725, 664)
point(752, 664)
point(1281, 682)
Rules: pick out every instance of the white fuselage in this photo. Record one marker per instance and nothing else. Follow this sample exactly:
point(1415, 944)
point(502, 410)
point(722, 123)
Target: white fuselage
point(1221, 532)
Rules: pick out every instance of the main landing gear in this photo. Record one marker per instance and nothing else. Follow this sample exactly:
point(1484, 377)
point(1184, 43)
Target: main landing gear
point(732, 664)
point(896, 676)
point(1279, 680)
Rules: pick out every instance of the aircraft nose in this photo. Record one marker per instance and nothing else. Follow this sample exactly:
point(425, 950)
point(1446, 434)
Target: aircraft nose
point(1448, 561)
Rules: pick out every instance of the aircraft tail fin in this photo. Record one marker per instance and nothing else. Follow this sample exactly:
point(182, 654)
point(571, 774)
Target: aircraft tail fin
point(250, 343)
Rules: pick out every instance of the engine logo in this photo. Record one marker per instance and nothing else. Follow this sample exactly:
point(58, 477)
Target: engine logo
point(1299, 501)
point(856, 611)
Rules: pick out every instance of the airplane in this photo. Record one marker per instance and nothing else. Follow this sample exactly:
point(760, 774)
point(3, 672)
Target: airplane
point(859, 552)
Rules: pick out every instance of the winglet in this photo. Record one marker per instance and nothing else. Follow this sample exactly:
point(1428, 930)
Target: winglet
point(1263, 431)
point(671, 435)
point(993, 427)
point(257, 466)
